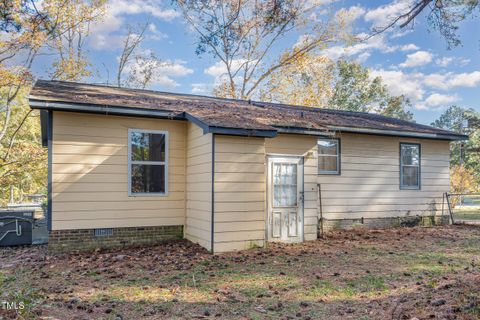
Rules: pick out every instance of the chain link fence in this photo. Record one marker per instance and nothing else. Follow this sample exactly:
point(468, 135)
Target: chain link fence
point(464, 208)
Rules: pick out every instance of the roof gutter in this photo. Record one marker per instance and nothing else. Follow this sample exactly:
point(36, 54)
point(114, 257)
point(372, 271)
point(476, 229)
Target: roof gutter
point(306, 131)
point(99, 109)
point(398, 133)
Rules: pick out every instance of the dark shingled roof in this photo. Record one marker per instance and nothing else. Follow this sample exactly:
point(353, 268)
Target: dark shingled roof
point(222, 115)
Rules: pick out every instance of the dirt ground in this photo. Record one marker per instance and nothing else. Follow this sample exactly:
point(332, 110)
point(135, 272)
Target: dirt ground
point(415, 273)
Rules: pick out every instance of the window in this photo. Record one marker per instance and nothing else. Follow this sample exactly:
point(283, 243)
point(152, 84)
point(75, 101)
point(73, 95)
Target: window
point(148, 157)
point(328, 156)
point(409, 166)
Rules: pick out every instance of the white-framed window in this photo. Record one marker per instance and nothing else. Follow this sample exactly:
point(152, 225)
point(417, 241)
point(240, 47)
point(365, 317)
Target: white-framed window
point(147, 162)
point(410, 165)
point(328, 156)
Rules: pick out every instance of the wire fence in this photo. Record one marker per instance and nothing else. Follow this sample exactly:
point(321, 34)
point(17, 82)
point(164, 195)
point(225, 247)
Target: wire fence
point(463, 208)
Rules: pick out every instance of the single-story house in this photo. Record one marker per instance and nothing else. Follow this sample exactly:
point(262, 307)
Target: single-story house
point(137, 167)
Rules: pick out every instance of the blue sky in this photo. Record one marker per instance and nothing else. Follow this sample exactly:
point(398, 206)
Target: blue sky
point(411, 62)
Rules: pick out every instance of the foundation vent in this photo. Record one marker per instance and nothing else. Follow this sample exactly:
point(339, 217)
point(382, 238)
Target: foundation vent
point(105, 232)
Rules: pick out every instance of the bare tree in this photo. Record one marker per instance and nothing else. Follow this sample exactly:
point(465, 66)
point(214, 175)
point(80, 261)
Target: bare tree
point(71, 63)
point(442, 15)
point(245, 36)
point(144, 70)
point(132, 41)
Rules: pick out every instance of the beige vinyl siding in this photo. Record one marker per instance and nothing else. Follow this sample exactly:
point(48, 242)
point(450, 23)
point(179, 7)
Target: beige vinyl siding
point(370, 175)
point(198, 222)
point(90, 173)
point(239, 193)
point(301, 145)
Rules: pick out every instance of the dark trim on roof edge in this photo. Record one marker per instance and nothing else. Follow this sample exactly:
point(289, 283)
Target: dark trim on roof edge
point(43, 127)
point(396, 133)
point(98, 109)
point(306, 131)
point(243, 132)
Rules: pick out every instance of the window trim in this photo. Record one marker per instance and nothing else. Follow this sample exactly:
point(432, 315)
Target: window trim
point(419, 186)
point(130, 163)
point(339, 162)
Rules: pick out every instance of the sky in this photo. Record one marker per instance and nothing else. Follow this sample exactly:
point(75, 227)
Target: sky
point(414, 62)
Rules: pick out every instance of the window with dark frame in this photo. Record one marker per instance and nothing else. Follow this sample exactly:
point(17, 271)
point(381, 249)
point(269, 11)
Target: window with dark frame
point(148, 154)
point(410, 166)
point(328, 156)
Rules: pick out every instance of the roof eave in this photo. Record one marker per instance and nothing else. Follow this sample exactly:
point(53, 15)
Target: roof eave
point(398, 133)
point(102, 109)
point(305, 131)
point(41, 104)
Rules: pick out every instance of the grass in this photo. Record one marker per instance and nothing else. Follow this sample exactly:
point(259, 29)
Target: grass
point(354, 274)
point(466, 216)
point(468, 212)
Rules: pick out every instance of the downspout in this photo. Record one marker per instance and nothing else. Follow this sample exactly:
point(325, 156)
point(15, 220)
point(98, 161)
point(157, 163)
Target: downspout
point(320, 233)
point(213, 195)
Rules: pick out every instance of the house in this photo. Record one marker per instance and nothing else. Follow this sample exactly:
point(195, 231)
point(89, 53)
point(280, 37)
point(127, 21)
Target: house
point(139, 167)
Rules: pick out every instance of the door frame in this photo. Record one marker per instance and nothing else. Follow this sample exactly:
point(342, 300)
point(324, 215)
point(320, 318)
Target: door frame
point(301, 185)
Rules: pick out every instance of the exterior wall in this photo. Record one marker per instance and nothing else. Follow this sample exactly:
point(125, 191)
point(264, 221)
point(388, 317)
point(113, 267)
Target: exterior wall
point(306, 146)
point(198, 220)
point(368, 186)
point(367, 191)
point(90, 183)
point(85, 239)
point(90, 174)
point(240, 203)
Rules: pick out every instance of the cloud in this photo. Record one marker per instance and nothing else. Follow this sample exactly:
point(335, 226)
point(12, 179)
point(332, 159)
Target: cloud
point(417, 59)
point(400, 83)
point(353, 13)
point(409, 47)
point(371, 44)
point(383, 15)
point(155, 33)
point(361, 58)
point(220, 74)
point(436, 99)
point(219, 70)
point(202, 88)
point(176, 69)
point(444, 62)
point(465, 79)
point(416, 85)
point(436, 80)
point(449, 80)
point(102, 32)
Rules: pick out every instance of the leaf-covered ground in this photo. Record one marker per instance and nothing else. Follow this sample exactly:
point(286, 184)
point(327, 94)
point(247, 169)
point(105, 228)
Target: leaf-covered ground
point(424, 273)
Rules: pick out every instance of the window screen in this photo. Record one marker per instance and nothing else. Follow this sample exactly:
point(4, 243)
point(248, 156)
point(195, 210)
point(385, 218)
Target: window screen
point(409, 166)
point(328, 156)
point(148, 162)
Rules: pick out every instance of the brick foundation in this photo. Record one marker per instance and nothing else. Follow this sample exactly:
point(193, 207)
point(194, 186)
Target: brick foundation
point(383, 223)
point(86, 240)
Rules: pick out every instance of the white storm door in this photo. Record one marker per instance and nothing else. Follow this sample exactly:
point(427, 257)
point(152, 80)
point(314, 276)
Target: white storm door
point(285, 199)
